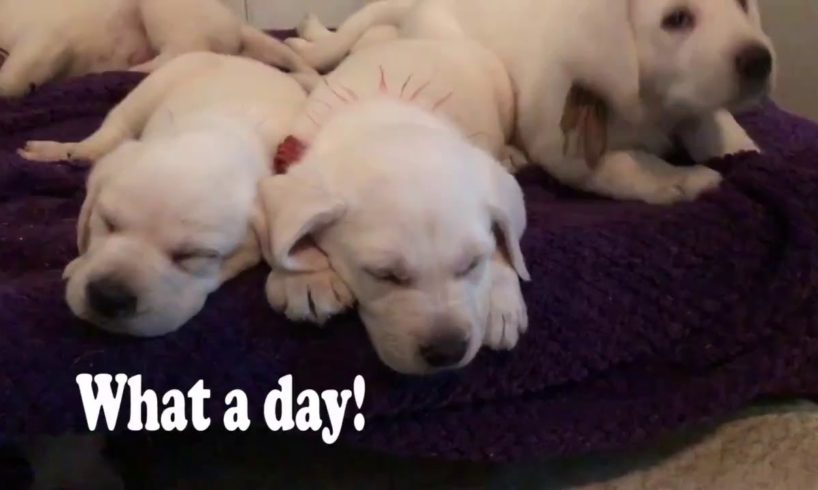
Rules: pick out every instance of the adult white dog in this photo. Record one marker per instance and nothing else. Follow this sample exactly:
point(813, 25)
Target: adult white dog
point(170, 216)
point(667, 69)
point(48, 39)
point(400, 197)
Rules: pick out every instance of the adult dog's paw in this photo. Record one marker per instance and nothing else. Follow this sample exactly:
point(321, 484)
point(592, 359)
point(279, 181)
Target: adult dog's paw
point(688, 185)
point(308, 297)
point(508, 315)
point(48, 151)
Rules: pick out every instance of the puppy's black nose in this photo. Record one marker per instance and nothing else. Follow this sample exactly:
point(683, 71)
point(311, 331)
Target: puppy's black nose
point(110, 298)
point(444, 350)
point(754, 63)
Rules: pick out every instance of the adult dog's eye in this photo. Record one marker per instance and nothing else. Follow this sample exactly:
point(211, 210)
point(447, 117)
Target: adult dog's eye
point(389, 276)
point(680, 19)
point(110, 225)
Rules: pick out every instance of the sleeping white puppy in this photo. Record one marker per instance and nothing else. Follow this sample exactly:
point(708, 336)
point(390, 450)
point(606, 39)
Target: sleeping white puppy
point(171, 210)
point(667, 69)
point(398, 197)
point(49, 39)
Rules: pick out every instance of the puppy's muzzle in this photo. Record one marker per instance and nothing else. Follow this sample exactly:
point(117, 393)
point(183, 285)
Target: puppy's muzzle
point(754, 65)
point(446, 349)
point(110, 298)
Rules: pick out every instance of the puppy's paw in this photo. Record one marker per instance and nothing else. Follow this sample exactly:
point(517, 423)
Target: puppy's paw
point(300, 45)
point(508, 315)
point(513, 159)
point(48, 151)
point(308, 297)
point(311, 28)
point(688, 185)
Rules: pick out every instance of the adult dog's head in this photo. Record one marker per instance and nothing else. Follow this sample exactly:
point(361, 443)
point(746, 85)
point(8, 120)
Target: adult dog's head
point(164, 223)
point(684, 57)
point(700, 55)
point(410, 215)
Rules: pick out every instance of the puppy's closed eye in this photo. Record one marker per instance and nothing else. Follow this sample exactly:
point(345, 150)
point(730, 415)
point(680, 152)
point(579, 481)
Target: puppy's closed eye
point(744, 5)
point(193, 260)
point(396, 277)
point(471, 267)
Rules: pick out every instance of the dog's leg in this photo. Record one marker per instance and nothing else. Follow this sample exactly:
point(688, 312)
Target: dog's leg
point(513, 159)
point(125, 121)
point(635, 175)
point(262, 47)
point(155, 63)
point(32, 62)
point(312, 29)
point(508, 315)
point(715, 135)
point(312, 297)
point(327, 52)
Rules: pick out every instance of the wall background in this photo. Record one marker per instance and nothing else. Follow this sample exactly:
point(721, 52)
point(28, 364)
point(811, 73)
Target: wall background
point(793, 24)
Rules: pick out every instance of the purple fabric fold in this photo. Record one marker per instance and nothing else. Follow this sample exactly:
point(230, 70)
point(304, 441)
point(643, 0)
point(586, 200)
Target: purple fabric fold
point(644, 319)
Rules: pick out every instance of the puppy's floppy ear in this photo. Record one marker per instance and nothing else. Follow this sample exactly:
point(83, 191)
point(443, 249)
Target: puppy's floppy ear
point(602, 54)
point(101, 170)
point(507, 210)
point(84, 221)
point(298, 205)
point(256, 246)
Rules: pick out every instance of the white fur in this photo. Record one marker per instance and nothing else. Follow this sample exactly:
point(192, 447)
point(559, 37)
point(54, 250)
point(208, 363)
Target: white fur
point(182, 197)
point(48, 39)
point(391, 187)
point(659, 84)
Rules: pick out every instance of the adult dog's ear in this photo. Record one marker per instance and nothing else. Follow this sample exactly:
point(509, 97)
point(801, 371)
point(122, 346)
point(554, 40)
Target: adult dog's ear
point(602, 54)
point(297, 206)
point(508, 216)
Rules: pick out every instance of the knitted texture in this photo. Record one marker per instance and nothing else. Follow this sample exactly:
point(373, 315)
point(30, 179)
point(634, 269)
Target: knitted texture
point(644, 319)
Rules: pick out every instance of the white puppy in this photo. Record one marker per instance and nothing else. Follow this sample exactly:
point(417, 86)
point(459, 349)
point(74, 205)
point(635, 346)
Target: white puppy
point(48, 39)
point(421, 223)
point(668, 69)
point(170, 216)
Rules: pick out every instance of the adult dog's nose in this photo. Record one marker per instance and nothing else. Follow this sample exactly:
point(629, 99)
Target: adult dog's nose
point(110, 298)
point(754, 63)
point(444, 349)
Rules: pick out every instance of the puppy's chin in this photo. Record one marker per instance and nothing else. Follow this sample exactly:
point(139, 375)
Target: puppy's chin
point(400, 352)
point(146, 323)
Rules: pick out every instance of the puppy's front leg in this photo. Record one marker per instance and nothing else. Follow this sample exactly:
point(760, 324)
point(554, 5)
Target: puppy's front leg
point(35, 60)
point(308, 297)
point(508, 315)
point(127, 120)
point(640, 176)
point(715, 135)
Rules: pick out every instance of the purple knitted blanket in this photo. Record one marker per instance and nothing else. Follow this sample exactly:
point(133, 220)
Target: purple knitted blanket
point(644, 319)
